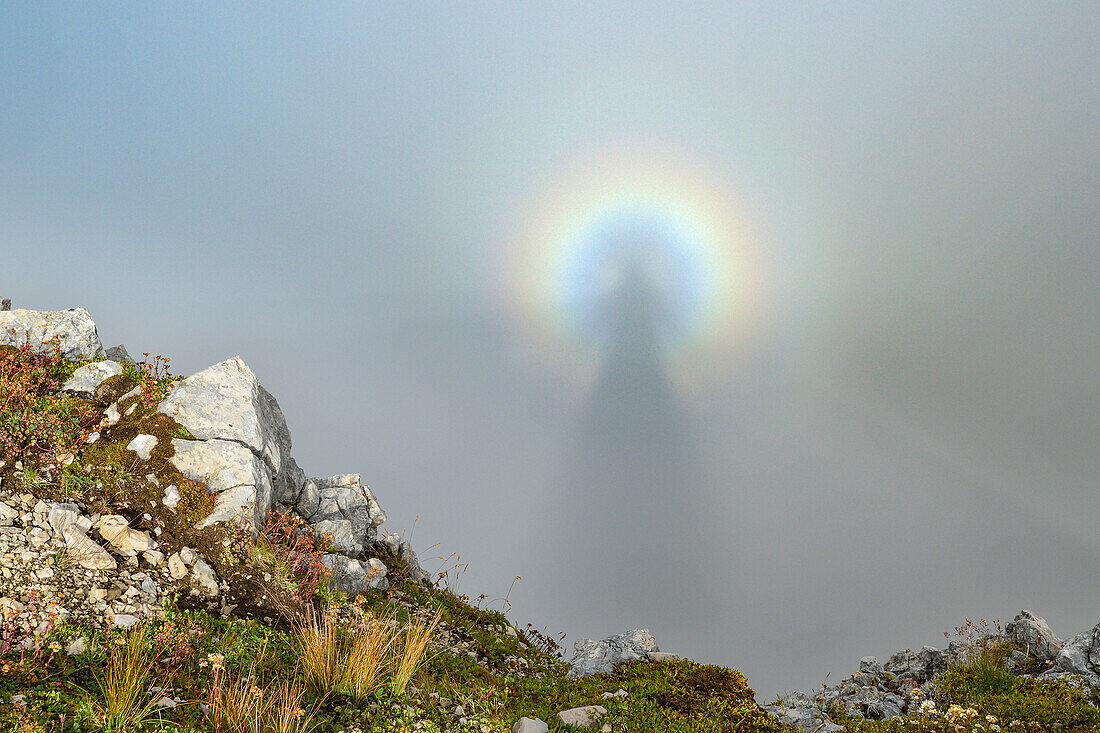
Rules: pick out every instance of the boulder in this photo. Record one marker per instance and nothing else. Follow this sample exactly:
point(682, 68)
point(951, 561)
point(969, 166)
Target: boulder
point(78, 336)
point(61, 516)
point(238, 478)
point(226, 402)
point(116, 530)
point(85, 379)
point(600, 657)
point(205, 579)
point(1032, 633)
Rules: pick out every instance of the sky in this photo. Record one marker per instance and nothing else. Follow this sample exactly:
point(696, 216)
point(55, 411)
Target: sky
point(769, 327)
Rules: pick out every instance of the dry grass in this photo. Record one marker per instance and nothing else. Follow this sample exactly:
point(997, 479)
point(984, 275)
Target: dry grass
point(411, 651)
point(368, 657)
point(357, 660)
point(122, 686)
point(245, 707)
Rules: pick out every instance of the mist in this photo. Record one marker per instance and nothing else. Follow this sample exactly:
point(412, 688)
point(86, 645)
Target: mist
point(770, 329)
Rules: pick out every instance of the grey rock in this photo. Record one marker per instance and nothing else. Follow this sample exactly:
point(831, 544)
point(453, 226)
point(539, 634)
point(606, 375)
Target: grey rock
point(226, 402)
point(309, 498)
point(1081, 654)
point(205, 579)
point(288, 483)
point(583, 717)
point(402, 549)
point(79, 338)
point(120, 354)
point(600, 657)
point(353, 576)
point(871, 666)
point(529, 725)
point(76, 647)
point(805, 718)
point(662, 657)
point(240, 480)
point(1034, 634)
point(124, 620)
point(85, 379)
point(142, 445)
point(348, 510)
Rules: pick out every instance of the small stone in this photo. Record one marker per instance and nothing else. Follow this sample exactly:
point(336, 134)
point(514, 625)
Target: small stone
point(171, 496)
point(85, 379)
point(176, 567)
point(76, 647)
point(124, 620)
point(153, 557)
point(581, 717)
point(530, 725)
point(143, 445)
point(188, 556)
point(205, 578)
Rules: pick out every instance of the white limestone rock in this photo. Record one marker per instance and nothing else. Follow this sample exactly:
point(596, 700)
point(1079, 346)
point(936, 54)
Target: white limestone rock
point(530, 725)
point(240, 481)
point(77, 331)
point(116, 530)
point(226, 402)
point(143, 445)
point(8, 515)
point(61, 516)
point(583, 717)
point(171, 496)
point(85, 379)
point(86, 552)
point(176, 567)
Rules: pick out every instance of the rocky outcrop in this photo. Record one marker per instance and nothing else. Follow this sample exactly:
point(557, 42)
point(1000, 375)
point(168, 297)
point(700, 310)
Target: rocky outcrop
point(1080, 656)
point(238, 447)
point(600, 657)
point(1034, 635)
point(898, 687)
point(74, 330)
point(226, 402)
